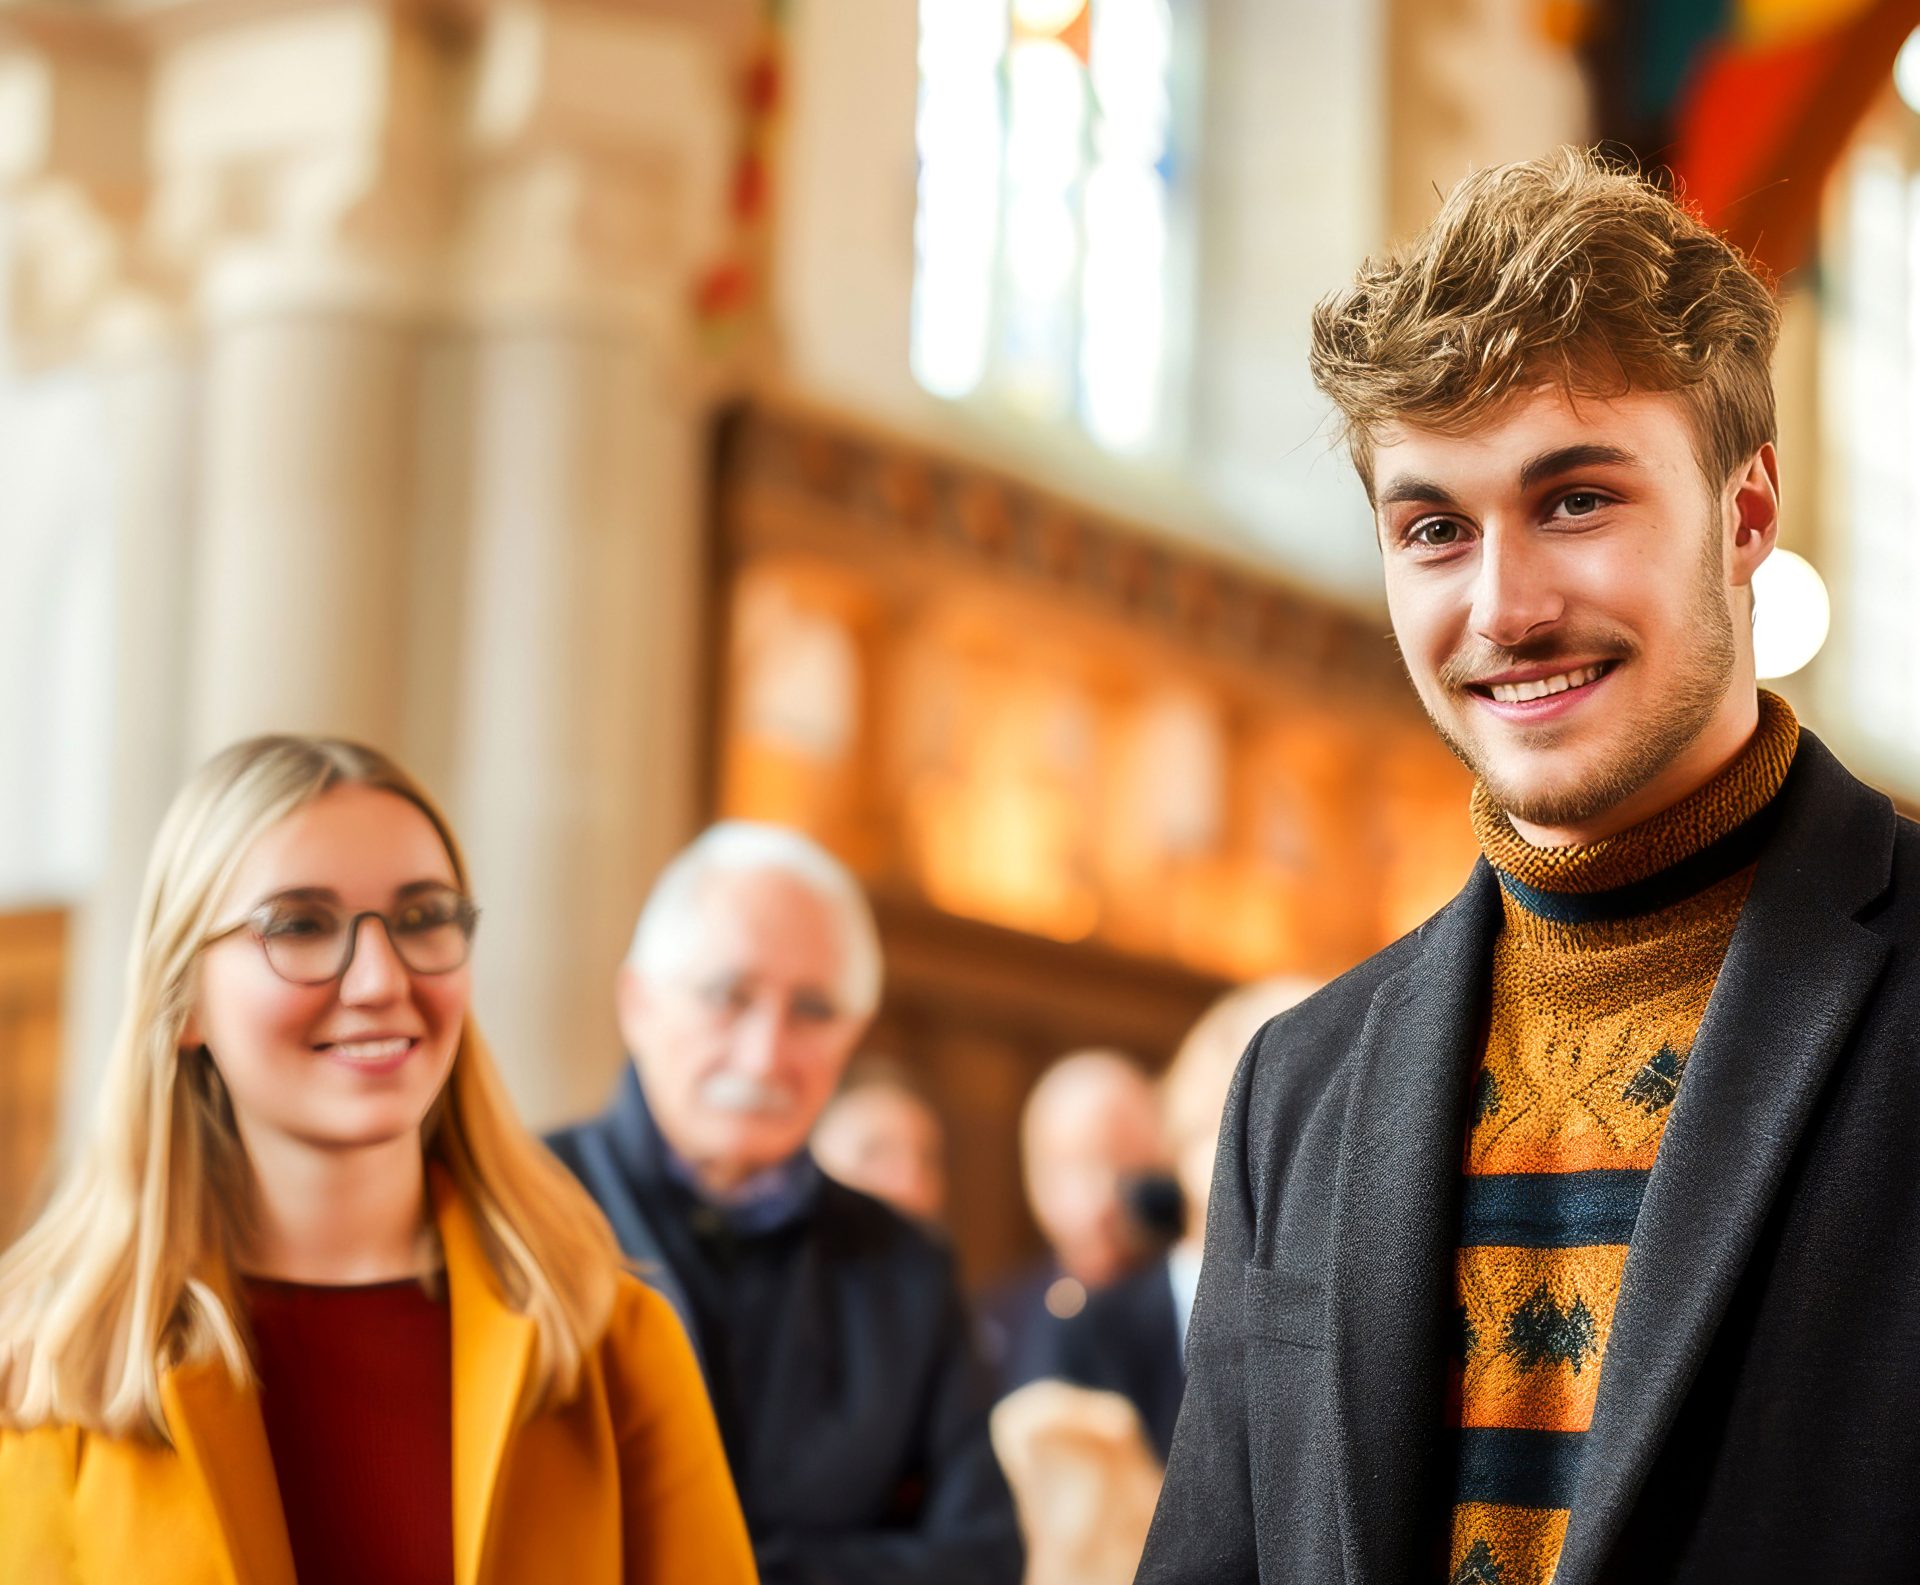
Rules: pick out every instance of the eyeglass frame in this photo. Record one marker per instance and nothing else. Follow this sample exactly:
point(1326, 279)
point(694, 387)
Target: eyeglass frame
point(467, 914)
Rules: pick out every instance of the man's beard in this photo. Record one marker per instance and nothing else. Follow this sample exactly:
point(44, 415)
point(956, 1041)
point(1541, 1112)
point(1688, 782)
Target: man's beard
point(1685, 707)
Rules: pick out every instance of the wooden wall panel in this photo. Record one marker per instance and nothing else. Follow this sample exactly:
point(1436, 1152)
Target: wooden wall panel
point(1091, 775)
point(32, 967)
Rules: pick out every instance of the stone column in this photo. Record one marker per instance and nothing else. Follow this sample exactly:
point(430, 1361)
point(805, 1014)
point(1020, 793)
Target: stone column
point(1473, 84)
point(301, 594)
point(91, 310)
point(148, 404)
point(597, 193)
point(296, 154)
point(407, 428)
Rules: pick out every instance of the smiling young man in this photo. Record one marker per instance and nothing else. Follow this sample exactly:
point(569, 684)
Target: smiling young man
point(1575, 1236)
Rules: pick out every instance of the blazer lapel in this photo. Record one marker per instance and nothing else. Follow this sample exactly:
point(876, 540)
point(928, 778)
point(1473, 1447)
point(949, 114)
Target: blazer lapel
point(219, 1435)
point(492, 1345)
point(1394, 1229)
point(1797, 974)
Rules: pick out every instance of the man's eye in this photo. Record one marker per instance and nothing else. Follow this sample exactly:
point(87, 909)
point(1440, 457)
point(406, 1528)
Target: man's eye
point(1582, 503)
point(1437, 533)
point(730, 996)
point(814, 1010)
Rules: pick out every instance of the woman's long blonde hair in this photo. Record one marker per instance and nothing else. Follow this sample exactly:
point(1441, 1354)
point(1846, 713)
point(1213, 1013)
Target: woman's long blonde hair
point(130, 1270)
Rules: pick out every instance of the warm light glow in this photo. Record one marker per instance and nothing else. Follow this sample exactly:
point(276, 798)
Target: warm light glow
point(958, 130)
point(998, 815)
point(1046, 16)
point(1791, 614)
point(1047, 114)
point(1045, 227)
point(1906, 71)
point(1123, 348)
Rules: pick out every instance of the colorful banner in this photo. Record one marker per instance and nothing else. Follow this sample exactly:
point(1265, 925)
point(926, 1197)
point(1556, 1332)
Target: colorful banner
point(1750, 102)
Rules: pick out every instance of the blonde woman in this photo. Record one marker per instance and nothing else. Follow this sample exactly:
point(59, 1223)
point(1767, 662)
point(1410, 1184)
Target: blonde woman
point(311, 1302)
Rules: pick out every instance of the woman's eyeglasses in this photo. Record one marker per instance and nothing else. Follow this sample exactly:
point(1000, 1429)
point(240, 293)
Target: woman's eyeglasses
point(311, 942)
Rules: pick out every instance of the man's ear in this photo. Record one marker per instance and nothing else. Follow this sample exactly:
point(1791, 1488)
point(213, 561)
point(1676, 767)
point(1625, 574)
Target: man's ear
point(629, 1001)
point(1755, 507)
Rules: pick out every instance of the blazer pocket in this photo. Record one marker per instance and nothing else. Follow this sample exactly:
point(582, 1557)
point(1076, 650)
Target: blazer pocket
point(1287, 1303)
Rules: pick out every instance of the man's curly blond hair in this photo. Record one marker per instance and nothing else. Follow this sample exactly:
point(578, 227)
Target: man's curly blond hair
point(1568, 270)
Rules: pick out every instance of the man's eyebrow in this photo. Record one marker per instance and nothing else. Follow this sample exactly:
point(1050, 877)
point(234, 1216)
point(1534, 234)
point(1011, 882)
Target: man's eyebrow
point(1409, 488)
point(1565, 459)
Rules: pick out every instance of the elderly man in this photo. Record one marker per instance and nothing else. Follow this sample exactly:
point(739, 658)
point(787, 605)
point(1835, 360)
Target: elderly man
point(1090, 1139)
point(1130, 1337)
point(835, 1342)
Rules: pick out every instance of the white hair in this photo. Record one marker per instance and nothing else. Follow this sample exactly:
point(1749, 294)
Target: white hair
point(661, 939)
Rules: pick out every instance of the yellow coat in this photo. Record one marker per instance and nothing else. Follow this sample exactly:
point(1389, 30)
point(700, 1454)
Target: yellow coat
point(628, 1483)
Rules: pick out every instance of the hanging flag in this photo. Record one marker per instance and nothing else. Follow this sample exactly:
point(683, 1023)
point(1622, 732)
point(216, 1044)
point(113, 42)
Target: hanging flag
point(1750, 102)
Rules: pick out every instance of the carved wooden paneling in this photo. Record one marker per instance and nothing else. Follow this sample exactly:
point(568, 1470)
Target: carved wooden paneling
point(32, 962)
point(1092, 776)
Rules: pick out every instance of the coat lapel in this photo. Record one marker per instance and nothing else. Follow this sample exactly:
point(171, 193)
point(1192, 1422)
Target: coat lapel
point(1394, 1215)
point(222, 1440)
point(492, 1345)
point(1797, 974)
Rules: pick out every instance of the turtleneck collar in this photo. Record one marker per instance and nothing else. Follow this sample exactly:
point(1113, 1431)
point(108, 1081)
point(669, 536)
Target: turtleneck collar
point(1711, 834)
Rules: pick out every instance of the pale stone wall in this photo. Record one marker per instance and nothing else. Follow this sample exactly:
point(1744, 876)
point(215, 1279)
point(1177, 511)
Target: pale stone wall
point(357, 376)
point(1322, 131)
point(356, 387)
point(56, 551)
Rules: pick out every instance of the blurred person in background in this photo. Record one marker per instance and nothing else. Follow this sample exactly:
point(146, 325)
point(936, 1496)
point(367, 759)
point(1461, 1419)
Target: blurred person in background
point(880, 1135)
point(1089, 1134)
point(1131, 1337)
point(1572, 1237)
point(831, 1329)
point(311, 1302)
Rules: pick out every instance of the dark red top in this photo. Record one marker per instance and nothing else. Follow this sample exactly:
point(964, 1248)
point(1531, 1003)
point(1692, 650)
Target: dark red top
point(356, 1386)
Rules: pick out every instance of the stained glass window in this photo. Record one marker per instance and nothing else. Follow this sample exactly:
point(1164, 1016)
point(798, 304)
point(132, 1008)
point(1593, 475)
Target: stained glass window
point(1046, 247)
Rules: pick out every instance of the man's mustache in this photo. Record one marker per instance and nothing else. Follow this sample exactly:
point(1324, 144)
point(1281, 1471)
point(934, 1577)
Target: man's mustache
point(735, 1092)
point(1489, 660)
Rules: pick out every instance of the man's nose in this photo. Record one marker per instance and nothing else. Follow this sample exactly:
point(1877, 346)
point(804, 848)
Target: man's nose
point(757, 1036)
point(375, 974)
point(1515, 594)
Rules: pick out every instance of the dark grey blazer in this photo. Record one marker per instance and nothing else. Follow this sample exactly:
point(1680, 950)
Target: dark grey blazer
point(1759, 1410)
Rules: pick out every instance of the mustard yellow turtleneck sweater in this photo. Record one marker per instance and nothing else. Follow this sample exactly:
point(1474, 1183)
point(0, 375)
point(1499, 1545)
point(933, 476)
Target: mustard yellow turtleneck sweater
point(1601, 972)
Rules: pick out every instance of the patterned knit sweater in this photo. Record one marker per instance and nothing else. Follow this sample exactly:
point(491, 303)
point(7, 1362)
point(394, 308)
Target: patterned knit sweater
point(1601, 974)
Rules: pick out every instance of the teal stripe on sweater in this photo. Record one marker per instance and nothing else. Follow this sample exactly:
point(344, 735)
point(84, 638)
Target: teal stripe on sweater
point(1551, 1210)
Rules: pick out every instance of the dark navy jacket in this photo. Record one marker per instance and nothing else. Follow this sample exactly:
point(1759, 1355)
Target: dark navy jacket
point(1127, 1340)
point(1018, 1334)
point(842, 1363)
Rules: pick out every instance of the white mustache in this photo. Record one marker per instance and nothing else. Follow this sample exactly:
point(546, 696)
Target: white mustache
point(735, 1092)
